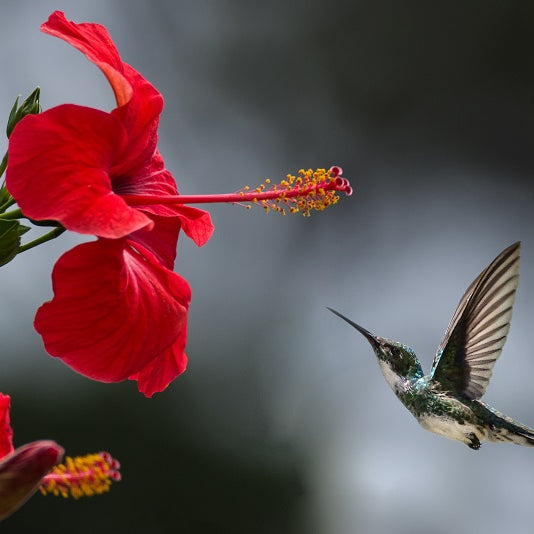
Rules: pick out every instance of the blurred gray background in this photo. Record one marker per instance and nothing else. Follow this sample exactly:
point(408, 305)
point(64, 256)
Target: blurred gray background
point(283, 423)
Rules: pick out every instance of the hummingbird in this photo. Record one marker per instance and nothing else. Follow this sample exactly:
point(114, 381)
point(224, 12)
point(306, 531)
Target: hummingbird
point(447, 401)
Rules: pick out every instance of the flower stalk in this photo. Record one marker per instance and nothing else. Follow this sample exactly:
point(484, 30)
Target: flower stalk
point(56, 232)
point(14, 214)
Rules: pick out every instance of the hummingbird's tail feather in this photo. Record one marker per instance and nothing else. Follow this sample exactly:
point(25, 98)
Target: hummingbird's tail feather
point(520, 437)
point(504, 428)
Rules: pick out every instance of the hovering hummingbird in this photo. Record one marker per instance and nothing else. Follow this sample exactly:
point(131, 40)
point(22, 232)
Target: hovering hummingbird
point(447, 400)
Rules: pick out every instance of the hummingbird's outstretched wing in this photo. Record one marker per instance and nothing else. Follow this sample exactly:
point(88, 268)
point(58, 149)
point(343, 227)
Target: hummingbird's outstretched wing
point(477, 331)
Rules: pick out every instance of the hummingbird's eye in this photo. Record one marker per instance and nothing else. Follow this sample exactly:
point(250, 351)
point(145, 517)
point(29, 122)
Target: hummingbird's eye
point(395, 351)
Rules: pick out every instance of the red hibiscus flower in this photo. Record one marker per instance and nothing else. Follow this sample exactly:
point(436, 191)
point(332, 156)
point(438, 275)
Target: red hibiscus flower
point(118, 309)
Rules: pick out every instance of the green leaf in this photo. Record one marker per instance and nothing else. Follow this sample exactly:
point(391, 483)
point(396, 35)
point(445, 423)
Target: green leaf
point(10, 232)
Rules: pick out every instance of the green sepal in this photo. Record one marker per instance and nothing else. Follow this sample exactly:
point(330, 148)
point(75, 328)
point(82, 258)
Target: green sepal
point(30, 106)
point(10, 233)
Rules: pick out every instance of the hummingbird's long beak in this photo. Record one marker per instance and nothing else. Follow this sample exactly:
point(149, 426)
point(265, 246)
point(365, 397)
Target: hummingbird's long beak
point(372, 339)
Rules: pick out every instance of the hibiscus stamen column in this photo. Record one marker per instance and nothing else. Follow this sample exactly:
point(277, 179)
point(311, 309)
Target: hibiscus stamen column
point(82, 476)
point(310, 190)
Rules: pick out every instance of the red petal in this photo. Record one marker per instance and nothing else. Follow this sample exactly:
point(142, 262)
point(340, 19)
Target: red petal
point(94, 41)
point(58, 169)
point(152, 178)
point(161, 240)
point(140, 117)
point(140, 103)
point(115, 309)
point(196, 224)
point(161, 371)
point(6, 433)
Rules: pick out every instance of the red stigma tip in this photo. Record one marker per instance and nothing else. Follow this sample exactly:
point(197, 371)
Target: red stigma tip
point(335, 171)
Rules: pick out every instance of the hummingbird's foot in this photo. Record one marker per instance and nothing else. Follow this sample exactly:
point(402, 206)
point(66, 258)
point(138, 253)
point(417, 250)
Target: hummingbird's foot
point(474, 442)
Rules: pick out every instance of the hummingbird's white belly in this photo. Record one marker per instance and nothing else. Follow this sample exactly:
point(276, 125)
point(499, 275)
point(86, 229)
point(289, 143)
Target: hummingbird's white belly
point(452, 429)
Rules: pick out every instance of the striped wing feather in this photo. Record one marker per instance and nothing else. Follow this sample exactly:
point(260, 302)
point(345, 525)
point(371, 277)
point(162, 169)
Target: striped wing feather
point(477, 331)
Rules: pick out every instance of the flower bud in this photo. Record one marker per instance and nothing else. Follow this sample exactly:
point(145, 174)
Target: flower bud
point(30, 106)
point(21, 473)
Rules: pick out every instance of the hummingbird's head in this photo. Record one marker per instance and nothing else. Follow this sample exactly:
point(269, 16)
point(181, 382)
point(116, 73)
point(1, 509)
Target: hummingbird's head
point(397, 361)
